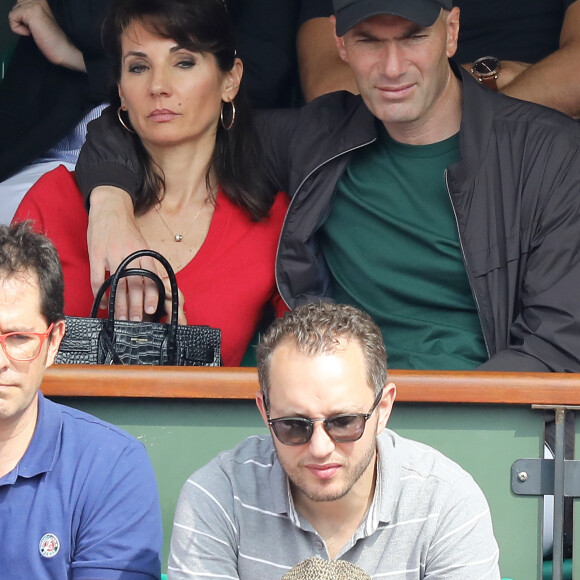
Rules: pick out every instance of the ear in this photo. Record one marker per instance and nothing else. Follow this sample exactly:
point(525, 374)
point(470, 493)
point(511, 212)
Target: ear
point(121, 97)
point(339, 41)
point(452, 31)
point(386, 406)
point(262, 407)
point(232, 80)
point(55, 340)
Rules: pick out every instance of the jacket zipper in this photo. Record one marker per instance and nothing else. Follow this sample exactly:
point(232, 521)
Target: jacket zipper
point(292, 201)
point(465, 266)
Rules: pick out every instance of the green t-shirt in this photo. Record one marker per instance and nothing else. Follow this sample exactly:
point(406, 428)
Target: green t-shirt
point(392, 246)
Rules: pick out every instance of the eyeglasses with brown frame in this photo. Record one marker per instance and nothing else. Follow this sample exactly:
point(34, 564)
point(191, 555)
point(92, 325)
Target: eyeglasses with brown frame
point(344, 428)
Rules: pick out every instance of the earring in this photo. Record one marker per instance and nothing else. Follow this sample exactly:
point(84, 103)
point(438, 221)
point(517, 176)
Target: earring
point(126, 127)
point(228, 127)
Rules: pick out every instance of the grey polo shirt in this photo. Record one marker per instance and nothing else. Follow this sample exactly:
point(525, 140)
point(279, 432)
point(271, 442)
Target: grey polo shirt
point(428, 519)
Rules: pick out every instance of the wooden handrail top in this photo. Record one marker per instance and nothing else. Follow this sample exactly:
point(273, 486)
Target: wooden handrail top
point(242, 383)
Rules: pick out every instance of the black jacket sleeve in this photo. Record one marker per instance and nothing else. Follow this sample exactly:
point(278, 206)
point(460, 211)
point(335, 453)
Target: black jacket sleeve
point(108, 157)
point(544, 335)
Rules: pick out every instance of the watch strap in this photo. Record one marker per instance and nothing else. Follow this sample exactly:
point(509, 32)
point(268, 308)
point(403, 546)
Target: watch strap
point(490, 81)
point(488, 76)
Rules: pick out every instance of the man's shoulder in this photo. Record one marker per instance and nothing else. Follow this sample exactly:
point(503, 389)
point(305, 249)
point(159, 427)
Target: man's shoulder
point(508, 113)
point(340, 110)
point(323, 129)
point(327, 112)
point(535, 116)
point(250, 471)
point(419, 460)
point(254, 457)
point(91, 430)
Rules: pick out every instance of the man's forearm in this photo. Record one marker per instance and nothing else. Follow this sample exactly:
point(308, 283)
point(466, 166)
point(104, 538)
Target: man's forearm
point(321, 69)
point(550, 82)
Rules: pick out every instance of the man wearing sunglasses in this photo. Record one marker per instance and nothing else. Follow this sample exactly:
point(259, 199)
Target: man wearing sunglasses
point(78, 497)
point(331, 481)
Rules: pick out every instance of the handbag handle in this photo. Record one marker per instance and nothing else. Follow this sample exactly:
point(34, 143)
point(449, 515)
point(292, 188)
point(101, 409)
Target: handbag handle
point(110, 324)
point(133, 272)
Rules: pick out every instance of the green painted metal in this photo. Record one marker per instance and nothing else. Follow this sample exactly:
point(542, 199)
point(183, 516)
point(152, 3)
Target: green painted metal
point(182, 435)
point(486, 440)
point(566, 570)
point(576, 532)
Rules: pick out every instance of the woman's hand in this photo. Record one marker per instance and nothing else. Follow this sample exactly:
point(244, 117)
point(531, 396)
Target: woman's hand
point(35, 18)
point(111, 236)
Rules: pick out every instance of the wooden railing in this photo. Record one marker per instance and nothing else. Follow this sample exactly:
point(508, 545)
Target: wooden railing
point(242, 383)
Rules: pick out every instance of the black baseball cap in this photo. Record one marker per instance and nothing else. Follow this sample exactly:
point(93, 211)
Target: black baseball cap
point(422, 12)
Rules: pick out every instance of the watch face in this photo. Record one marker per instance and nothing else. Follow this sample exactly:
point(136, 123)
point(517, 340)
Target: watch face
point(486, 66)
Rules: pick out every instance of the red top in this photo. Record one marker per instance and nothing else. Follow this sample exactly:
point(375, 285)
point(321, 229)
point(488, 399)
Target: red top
point(226, 285)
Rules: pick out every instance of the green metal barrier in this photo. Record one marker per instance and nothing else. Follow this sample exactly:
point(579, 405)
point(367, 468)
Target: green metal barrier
point(485, 440)
point(183, 434)
point(576, 548)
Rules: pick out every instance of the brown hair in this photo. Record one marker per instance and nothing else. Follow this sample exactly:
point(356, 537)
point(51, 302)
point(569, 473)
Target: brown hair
point(23, 252)
point(316, 329)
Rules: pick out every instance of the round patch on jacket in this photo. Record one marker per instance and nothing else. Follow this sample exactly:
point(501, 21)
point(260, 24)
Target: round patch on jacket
point(49, 545)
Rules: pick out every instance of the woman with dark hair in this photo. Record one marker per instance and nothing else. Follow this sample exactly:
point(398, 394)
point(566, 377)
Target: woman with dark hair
point(202, 203)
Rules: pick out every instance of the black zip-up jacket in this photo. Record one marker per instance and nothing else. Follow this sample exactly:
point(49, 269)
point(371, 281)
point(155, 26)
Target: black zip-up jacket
point(515, 194)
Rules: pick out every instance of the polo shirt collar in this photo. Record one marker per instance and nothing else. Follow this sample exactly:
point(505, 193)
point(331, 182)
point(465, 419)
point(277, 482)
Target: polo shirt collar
point(42, 452)
point(388, 484)
point(280, 489)
point(282, 496)
point(386, 489)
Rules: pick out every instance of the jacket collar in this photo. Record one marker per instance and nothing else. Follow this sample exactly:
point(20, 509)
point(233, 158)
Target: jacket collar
point(343, 123)
point(475, 129)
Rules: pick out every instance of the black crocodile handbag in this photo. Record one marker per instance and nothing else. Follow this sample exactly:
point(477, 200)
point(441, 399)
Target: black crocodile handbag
point(108, 341)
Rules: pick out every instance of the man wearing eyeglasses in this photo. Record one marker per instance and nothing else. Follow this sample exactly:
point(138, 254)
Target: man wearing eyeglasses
point(78, 497)
point(331, 481)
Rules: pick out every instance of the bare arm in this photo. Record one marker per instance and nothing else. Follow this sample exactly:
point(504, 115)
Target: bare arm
point(321, 69)
point(112, 235)
point(553, 80)
point(35, 18)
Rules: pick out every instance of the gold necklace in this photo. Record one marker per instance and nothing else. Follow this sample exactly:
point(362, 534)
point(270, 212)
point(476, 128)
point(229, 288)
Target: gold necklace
point(179, 237)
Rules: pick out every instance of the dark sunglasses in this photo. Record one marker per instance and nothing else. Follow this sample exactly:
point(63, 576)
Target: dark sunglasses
point(344, 428)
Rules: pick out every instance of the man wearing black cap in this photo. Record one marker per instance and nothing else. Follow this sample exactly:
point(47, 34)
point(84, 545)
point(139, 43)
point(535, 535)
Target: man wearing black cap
point(535, 48)
point(447, 211)
point(422, 12)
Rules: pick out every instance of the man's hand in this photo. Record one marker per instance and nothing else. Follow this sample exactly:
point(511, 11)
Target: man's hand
point(35, 18)
point(181, 318)
point(112, 235)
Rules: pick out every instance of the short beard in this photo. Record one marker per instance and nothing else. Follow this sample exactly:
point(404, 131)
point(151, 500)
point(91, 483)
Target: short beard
point(322, 496)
